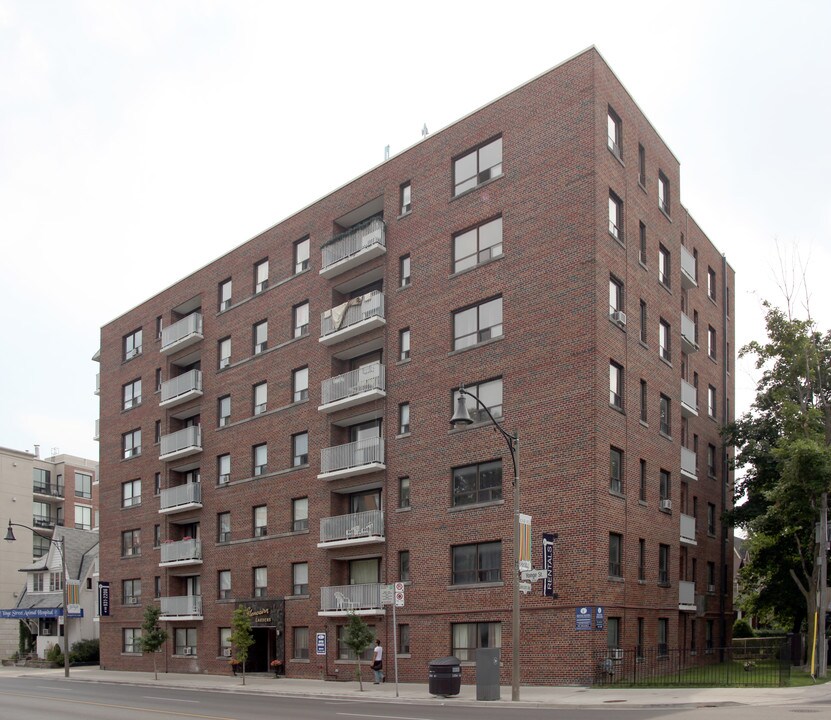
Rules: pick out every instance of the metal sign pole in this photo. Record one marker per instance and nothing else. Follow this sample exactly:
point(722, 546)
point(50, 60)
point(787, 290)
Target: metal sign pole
point(395, 646)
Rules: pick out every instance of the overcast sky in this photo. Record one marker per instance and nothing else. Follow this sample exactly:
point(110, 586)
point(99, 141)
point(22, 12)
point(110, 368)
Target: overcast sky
point(141, 140)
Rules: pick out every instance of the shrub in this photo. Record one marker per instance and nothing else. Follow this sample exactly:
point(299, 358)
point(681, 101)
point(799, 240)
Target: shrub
point(742, 629)
point(84, 651)
point(55, 655)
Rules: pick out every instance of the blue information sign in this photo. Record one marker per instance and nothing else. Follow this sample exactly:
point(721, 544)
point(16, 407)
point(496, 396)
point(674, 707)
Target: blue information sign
point(320, 643)
point(599, 618)
point(583, 618)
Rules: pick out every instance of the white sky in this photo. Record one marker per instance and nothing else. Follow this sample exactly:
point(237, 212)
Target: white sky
point(141, 140)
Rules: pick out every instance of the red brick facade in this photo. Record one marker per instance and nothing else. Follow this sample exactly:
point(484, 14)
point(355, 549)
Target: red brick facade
point(553, 357)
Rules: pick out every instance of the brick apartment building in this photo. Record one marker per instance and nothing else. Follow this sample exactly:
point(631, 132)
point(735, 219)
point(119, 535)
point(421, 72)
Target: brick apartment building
point(275, 426)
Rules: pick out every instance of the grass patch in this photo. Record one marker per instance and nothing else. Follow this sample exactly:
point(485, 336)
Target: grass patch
point(801, 678)
point(735, 673)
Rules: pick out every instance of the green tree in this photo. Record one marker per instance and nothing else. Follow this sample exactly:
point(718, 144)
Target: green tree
point(783, 446)
point(241, 636)
point(358, 637)
point(152, 635)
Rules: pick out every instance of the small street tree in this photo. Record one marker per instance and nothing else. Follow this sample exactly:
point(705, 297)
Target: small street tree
point(241, 636)
point(358, 638)
point(152, 635)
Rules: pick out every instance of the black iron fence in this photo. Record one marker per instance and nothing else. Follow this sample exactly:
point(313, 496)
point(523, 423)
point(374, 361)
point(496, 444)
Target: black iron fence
point(763, 664)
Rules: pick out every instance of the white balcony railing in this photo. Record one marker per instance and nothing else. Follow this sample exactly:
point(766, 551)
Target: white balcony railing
point(689, 399)
point(186, 441)
point(688, 334)
point(688, 529)
point(181, 388)
point(689, 461)
point(353, 458)
point(686, 595)
point(348, 389)
point(182, 333)
point(181, 496)
point(353, 247)
point(98, 383)
point(689, 272)
point(181, 551)
point(345, 598)
point(353, 317)
point(97, 435)
point(360, 526)
point(182, 606)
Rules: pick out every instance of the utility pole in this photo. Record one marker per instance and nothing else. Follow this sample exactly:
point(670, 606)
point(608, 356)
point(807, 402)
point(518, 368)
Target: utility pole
point(822, 665)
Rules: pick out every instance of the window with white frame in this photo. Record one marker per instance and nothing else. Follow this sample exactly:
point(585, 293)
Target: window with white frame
point(300, 384)
point(224, 352)
point(477, 245)
point(260, 458)
point(615, 296)
point(711, 342)
point(223, 582)
point(664, 340)
point(224, 635)
point(665, 407)
point(664, 266)
point(131, 543)
point(477, 166)
point(225, 290)
point(663, 192)
point(261, 521)
point(300, 316)
point(615, 216)
point(223, 410)
point(301, 255)
point(406, 198)
point(260, 336)
point(404, 344)
point(711, 401)
point(404, 492)
point(404, 266)
point(614, 132)
point(615, 385)
point(223, 469)
point(260, 276)
point(260, 395)
point(711, 283)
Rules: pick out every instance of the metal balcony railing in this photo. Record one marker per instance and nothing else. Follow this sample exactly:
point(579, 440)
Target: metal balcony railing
point(181, 550)
point(189, 437)
point(185, 605)
point(352, 312)
point(48, 489)
point(689, 397)
point(689, 271)
point(189, 326)
point(361, 237)
point(352, 455)
point(687, 528)
point(98, 383)
point(187, 494)
point(97, 435)
point(343, 598)
point(686, 594)
point(369, 523)
point(43, 521)
point(355, 382)
point(688, 333)
point(183, 384)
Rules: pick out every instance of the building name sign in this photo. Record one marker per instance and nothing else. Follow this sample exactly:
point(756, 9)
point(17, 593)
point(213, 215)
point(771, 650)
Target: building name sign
point(32, 613)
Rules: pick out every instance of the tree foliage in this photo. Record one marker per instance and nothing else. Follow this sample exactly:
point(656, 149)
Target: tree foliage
point(152, 634)
point(358, 637)
point(241, 636)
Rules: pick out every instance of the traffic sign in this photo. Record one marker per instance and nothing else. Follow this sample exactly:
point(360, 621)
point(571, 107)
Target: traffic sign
point(387, 595)
point(525, 587)
point(534, 575)
point(399, 587)
point(399, 599)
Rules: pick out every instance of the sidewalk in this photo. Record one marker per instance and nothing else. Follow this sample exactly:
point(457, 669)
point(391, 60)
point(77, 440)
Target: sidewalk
point(531, 696)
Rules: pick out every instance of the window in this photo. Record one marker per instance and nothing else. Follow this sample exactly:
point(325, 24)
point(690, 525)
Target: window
point(157, 535)
point(644, 401)
point(404, 344)
point(664, 343)
point(615, 216)
point(300, 319)
point(711, 283)
point(404, 418)
point(666, 415)
point(404, 639)
point(664, 267)
point(260, 576)
point(473, 484)
point(260, 276)
point(299, 514)
point(478, 563)
point(615, 554)
point(260, 458)
point(224, 641)
point(476, 246)
point(225, 289)
point(300, 578)
point(642, 493)
point(404, 271)
point(157, 484)
point(644, 328)
point(131, 343)
point(184, 641)
point(130, 543)
point(301, 255)
point(131, 641)
point(711, 402)
point(300, 449)
point(711, 519)
point(37, 582)
point(663, 564)
point(131, 393)
point(664, 484)
point(131, 443)
point(223, 410)
point(641, 165)
point(711, 342)
point(224, 353)
point(345, 652)
point(711, 577)
point(260, 336)
point(223, 469)
point(223, 582)
point(468, 637)
point(83, 517)
point(159, 326)
point(641, 559)
point(300, 643)
point(477, 166)
point(404, 566)
point(406, 198)
point(613, 633)
point(663, 637)
point(260, 395)
point(131, 493)
point(223, 527)
point(40, 546)
point(615, 385)
point(157, 432)
point(642, 244)
point(131, 592)
point(615, 296)
point(663, 192)
point(614, 128)
point(616, 470)
point(490, 395)
point(708, 637)
point(711, 460)
point(404, 492)
point(83, 485)
point(261, 521)
point(300, 384)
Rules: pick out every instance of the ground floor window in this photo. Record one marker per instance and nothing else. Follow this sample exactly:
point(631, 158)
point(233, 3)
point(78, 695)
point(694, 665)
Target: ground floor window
point(131, 640)
point(404, 639)
point(224, 641)
point(300, 643)
point(663, 634)
point(468, 637)
point(185, 641)
point(345, 653)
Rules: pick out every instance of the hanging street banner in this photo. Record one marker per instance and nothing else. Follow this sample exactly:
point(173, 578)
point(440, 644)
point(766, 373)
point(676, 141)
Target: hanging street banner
point(103, 598)
point(548, 563)
point(524, 559)
point(73, 598)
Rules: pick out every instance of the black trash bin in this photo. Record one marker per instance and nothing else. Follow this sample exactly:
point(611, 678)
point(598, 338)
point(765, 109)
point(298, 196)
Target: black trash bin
point(445, 676)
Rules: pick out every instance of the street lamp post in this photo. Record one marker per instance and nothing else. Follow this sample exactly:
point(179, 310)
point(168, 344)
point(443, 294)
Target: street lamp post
point(462, 417)
point(61, 545)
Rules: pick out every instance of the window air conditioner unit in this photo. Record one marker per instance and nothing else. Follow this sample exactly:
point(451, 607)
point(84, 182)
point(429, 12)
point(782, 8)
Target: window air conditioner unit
point(224, 362)
point(260, 531)
point(226, 652)
point(616, 653)
point(132, 600)
point(188, 651)
point(666, 504)
point(224, 479)
point(619, 317)
point(711, 588)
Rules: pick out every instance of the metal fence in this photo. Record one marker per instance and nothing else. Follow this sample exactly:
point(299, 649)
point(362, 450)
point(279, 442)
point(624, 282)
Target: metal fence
point(760, 665)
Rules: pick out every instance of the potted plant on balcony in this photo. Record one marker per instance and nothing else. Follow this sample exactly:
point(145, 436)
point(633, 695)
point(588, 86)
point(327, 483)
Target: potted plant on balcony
point(277, 666)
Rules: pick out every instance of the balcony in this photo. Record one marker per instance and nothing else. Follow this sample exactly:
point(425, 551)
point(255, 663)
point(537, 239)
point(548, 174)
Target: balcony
point(355, 458)
point(43, 521)
point(689, 464)
point(181, 552)
point(352, 318)
point(689, 400)
point(688, 334)
point(182, 334)
point(186, 607)
point(354, 247)
point(686, 596)
point(353, 388)
point(689, 271)
point(688, 529)
point(340, 600)
point(98, 383)
point(184, 442)
point(49, 490)
point(180, 498)
point(97, 431)
point(181, 388)
point(361, 528)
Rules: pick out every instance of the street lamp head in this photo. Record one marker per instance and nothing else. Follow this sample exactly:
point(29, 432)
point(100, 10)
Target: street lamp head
point(10, 533)
point(461, 416)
